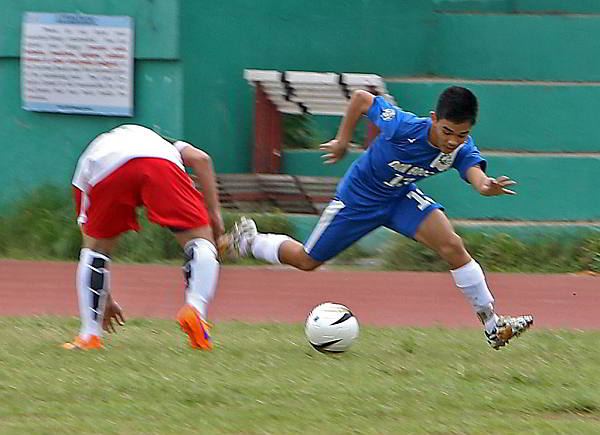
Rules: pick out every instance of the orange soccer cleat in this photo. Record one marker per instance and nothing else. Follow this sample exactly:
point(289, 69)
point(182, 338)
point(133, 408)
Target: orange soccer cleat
point(197, 329)
point(93, 342)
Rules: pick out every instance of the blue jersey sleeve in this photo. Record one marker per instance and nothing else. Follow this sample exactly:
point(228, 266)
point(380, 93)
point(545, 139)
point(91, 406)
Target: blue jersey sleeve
point(468, 156)
point(389, 119)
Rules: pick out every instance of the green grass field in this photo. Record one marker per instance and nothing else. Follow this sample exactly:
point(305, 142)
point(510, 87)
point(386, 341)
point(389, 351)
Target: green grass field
point(265, 378)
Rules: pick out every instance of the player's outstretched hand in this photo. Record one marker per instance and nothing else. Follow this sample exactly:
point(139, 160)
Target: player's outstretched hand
point(498, 186)
point(112, 315)
point(334, 151)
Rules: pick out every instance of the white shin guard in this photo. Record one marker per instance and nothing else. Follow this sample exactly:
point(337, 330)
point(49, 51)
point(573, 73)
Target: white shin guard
point(266, 247)
point(93, 284)
point(201, 272)
point(471, 281)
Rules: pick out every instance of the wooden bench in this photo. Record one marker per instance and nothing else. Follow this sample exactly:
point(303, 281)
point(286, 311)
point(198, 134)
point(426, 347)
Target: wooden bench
point(320, 190)
point(285, 193)
point(263, 192)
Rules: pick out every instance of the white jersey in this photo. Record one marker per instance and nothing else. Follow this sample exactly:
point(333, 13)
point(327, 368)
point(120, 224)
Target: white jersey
point(113, 149)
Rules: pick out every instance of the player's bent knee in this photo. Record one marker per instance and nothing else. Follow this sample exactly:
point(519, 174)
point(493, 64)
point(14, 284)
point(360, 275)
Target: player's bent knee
point(307, 263)
point(453, 249)
point(183, 237)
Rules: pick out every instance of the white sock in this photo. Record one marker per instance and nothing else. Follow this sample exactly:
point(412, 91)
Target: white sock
point(93, 284)
point(201, 271)
point(266, 247)
point(471, 281)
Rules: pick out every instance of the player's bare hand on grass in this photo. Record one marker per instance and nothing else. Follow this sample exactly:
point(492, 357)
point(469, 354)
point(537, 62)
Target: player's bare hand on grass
point(498, 186)
point(113, 315)
point(335, 151)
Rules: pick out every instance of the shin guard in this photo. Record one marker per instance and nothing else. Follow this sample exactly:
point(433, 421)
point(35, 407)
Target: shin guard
point(93, 284)
point(201, 273)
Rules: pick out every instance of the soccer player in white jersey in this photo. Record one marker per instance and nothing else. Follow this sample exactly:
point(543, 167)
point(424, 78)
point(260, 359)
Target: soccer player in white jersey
point(132, 166)
point(379, 190)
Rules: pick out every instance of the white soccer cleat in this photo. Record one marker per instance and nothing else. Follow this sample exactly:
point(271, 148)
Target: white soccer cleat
point(242, 235)
point(506, 328)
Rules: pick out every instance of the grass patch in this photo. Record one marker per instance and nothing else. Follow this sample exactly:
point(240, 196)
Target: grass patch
point(43, 228)
point(500, 252)
point(265, 378)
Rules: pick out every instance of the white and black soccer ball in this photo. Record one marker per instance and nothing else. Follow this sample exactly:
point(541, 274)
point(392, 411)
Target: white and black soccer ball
point(331, 327)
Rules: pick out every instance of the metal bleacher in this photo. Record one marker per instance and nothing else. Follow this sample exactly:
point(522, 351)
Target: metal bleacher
point(293, 92)
point(317, 93)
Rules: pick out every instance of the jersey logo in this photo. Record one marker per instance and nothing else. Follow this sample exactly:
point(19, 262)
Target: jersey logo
point(411, 140)
point(388, 114)
point(444, 161)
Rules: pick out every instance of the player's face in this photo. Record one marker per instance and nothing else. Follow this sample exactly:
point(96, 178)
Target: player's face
point(447, 135)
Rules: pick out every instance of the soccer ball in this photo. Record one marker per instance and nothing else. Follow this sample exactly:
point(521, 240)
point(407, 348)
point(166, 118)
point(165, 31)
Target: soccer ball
point(331, 327)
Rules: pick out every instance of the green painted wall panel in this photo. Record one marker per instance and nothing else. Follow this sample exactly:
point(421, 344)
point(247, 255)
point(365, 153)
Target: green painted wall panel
point(156, 22)
point(549, 188)
point(473, 5)
point(519, 117)
point(221, 39)
point(42, 148)
point(301, 162)
point(196, 89)
point(556, 6)
point(529, 6)
point(520, 47)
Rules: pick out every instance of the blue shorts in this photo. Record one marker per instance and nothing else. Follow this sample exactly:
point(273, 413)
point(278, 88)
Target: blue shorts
point(339, 225)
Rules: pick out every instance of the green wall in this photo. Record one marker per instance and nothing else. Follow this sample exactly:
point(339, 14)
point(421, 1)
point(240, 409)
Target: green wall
point(518, 117)
point(517, 46)
point(473, 5)
point(549, 188)
point(47, 146)
point(221, 39)
point(554, 6)
point(42, 148)
point(190, 57)
point(156, 22)
point(189, 83)
point(519, 6)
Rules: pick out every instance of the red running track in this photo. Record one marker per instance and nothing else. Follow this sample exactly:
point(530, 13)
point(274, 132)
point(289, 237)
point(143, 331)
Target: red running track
point(264, 294)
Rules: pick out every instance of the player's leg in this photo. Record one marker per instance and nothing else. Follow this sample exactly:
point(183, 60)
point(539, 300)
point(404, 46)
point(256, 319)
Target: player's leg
point(292, 252)
point(201, 274)
point(273, 248)
point(93, 287)
point(172, 201)
point(422, 219)
point(436, 232)
point(105, 212)
point(338, 227)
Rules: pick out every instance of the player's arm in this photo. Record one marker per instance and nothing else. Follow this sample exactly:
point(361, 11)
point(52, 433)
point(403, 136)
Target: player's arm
point(202, 165)
point(488, 186)
point(360, 102)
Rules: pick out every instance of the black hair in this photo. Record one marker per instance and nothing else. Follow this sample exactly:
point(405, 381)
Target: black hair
point(457, 104)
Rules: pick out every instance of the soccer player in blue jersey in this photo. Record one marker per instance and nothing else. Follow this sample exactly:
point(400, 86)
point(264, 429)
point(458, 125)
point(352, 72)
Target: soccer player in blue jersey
point(379, 190)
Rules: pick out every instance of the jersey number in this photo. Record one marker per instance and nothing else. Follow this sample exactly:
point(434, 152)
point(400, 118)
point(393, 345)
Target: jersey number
point(424, 201)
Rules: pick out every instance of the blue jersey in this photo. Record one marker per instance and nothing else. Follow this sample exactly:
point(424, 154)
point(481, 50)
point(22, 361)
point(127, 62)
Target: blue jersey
point(399, 156)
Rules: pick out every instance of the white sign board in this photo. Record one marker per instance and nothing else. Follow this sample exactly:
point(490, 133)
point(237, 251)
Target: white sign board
point(74, 63)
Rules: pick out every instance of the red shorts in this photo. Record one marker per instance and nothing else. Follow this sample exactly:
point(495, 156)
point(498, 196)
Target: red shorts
point(167, 193)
